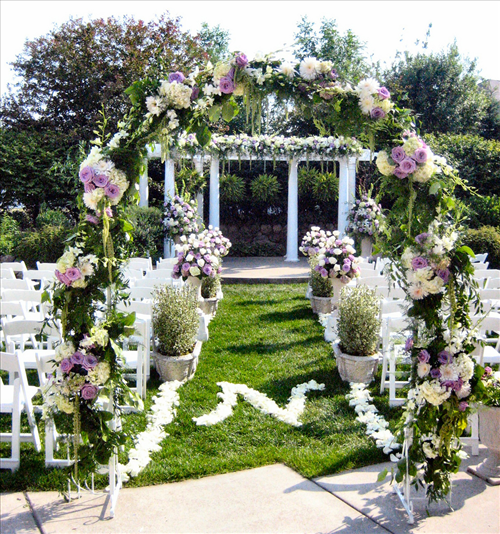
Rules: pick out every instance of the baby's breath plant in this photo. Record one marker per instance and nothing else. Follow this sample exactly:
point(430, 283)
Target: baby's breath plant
point(320, 287)
point(358, 324)
point(175, 320)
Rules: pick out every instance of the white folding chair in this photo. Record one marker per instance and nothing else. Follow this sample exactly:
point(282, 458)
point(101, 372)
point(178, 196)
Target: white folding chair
point(487, 351)
point(140, 293)
point(15, 399)
point(166, 263)
point(159, 274)
point(46, 266)
point(46, 366)
point(16, 283)
point(16, 266)
point(43, 277)
point(7, 273)
point(479, 258)
point(141, 264)
point(490, 297)
point(31, 299)
point(157, 282)
point(372, 281)
point(137, 359)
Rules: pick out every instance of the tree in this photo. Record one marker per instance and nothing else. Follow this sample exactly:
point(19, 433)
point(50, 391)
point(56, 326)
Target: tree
point(215, 42)
point(443, 89)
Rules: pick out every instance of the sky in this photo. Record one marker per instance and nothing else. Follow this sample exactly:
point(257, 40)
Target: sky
point(268, 26)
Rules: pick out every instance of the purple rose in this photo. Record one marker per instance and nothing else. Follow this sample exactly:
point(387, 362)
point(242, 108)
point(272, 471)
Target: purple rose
point(176, 276)
point(86, 175)
point(445, 357)
point(101, 180)
point(77, 358)
point(241, 60)
point(421, 238)
point(89, 362)
point(463, 405)
point(226, 85)
point(91, 219)
point(88, 188)
point(186, 266)
point(399, 173)
point(89, 391)
point(435, 373)
point(424, 356)
point(419, 263)
point(176, 268)
point(195, 93)
point(112, 191)
point(346, 267)
point(444, 274)
point(377, 113)
point(383, 93)
point(73, 274)
point(408, 165)
point(323, 272)
point(488, 370)
point(421, 155)
point(398, 154)
point(207, 270)
point(66, 365)
point(176, 77)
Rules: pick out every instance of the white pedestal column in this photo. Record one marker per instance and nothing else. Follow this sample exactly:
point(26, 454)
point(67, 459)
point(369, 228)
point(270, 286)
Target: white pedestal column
point(143, 187)
point(198, 164)
point(214, 213)
point(168, 247)
point(292, 237)
point(352, 182)
point(343, 196)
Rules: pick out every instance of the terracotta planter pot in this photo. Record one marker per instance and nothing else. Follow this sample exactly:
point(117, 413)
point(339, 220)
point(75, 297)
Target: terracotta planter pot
point(179, 368)
point(489, 435)
point(321, 304)
point(358, 369)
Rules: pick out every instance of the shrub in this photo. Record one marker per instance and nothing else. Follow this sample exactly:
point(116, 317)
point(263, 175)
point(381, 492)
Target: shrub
point(358, 323)
point(485, 239)
point(52, 218)
point(484, 211)
point(326, 187)
point(175, 320)
point(232, 188)
point(9, 234)
point(307, 177)
point(190, 182)
point(148, 232)
point(320, 287)
point(210, 286)
point(265, 188)
point(45, 245)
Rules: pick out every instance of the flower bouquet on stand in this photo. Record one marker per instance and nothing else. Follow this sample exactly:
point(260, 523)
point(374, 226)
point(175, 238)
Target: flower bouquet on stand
point(211, 288)
point(180, 218)
point(365, 222)
point(312, 244)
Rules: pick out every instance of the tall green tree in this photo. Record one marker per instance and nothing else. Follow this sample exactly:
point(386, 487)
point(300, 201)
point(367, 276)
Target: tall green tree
point(215, 42)
point(443, 89)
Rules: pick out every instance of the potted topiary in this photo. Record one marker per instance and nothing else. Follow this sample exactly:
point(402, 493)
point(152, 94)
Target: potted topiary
point(358, 333)
point(210, 290)
point(175, 325)
point(321, 293)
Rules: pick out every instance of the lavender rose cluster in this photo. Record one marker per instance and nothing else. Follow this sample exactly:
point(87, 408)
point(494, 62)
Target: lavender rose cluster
point(337, 259)
point(80, 364)
point(365, 217)
point(180, 217)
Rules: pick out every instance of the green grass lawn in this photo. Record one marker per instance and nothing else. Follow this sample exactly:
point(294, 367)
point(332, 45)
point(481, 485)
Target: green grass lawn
point(264, 336)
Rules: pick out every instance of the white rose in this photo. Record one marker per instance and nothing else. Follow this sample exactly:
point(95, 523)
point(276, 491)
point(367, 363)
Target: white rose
point(194, 271)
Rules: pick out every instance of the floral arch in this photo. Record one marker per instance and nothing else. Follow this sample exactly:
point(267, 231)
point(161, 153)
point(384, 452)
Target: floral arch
point(421, 242)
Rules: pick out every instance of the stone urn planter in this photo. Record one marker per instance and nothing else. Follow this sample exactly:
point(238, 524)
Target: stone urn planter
point(179, 368)
point(489, 435)
point(209, 306)
point(337, 285)
point(322, 305)
point(358, 369)
point(195, 283)
point(366, 247)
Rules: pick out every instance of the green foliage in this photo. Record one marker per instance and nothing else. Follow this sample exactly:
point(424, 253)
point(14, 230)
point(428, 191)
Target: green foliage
point(147, 233)
point(210, 286)
point(358, 325)
point(189, 182)
point(232, 188)
point(175, 320)
point(215, 42)
point(326, 187)
point(48, 217)
point(320, 287)
point(442, 89)
point(476, 159)
point(9, 234)
point(485, 239)
point(484, 211)
point(265, 188)
point(45, 245)
point(307, 177)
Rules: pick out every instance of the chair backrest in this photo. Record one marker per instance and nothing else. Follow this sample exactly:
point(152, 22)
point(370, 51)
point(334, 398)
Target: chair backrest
point(5, 272)
point(372, 281)
point(11, 309)
point(166, 263)
point(132, 274)
point(143, 264)
point(41, 266)
point(12, 329)
point(479, 258)
point(16, 283)
point(152, 282)
point(45, 365)
point(16, 266)
point(11, 362)
point(489, 293)
point(159, 274)
point(481, 273)
point(493, 283)
point(391, 306)
point(480, 265)
point(138, 306)
point(24, 295)
point(140, 293)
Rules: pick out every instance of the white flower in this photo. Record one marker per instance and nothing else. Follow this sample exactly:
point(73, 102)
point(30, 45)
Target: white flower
point(368, 86)
point(194, 271)
point(423, 369)
point(286, 68)
point(155, 105)
point(308, 68)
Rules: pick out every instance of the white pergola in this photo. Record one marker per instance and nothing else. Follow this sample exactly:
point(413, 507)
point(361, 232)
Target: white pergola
point(347, 189)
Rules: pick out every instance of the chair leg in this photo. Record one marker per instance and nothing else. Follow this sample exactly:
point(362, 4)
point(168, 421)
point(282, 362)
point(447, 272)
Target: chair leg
point(16, 428)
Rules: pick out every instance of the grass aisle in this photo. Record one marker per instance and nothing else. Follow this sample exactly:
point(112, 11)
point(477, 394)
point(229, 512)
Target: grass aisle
point(264, 336)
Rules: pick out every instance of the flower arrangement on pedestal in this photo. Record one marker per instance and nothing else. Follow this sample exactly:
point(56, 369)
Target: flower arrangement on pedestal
point(365, 218)
point(337, 260)
point(196, 257)
point(181, 217)
point(314, 241)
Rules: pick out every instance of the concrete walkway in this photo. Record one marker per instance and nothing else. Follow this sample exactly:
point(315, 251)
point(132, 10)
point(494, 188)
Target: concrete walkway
point(272, 499)
point(264, 271)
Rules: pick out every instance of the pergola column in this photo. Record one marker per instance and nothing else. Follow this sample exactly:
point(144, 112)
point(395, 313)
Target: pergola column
point(344, 194)
point(292, 236)
point(168, 247)
point(143, 186)
point(214, 207)
point(352, 182)
point(198, 165)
